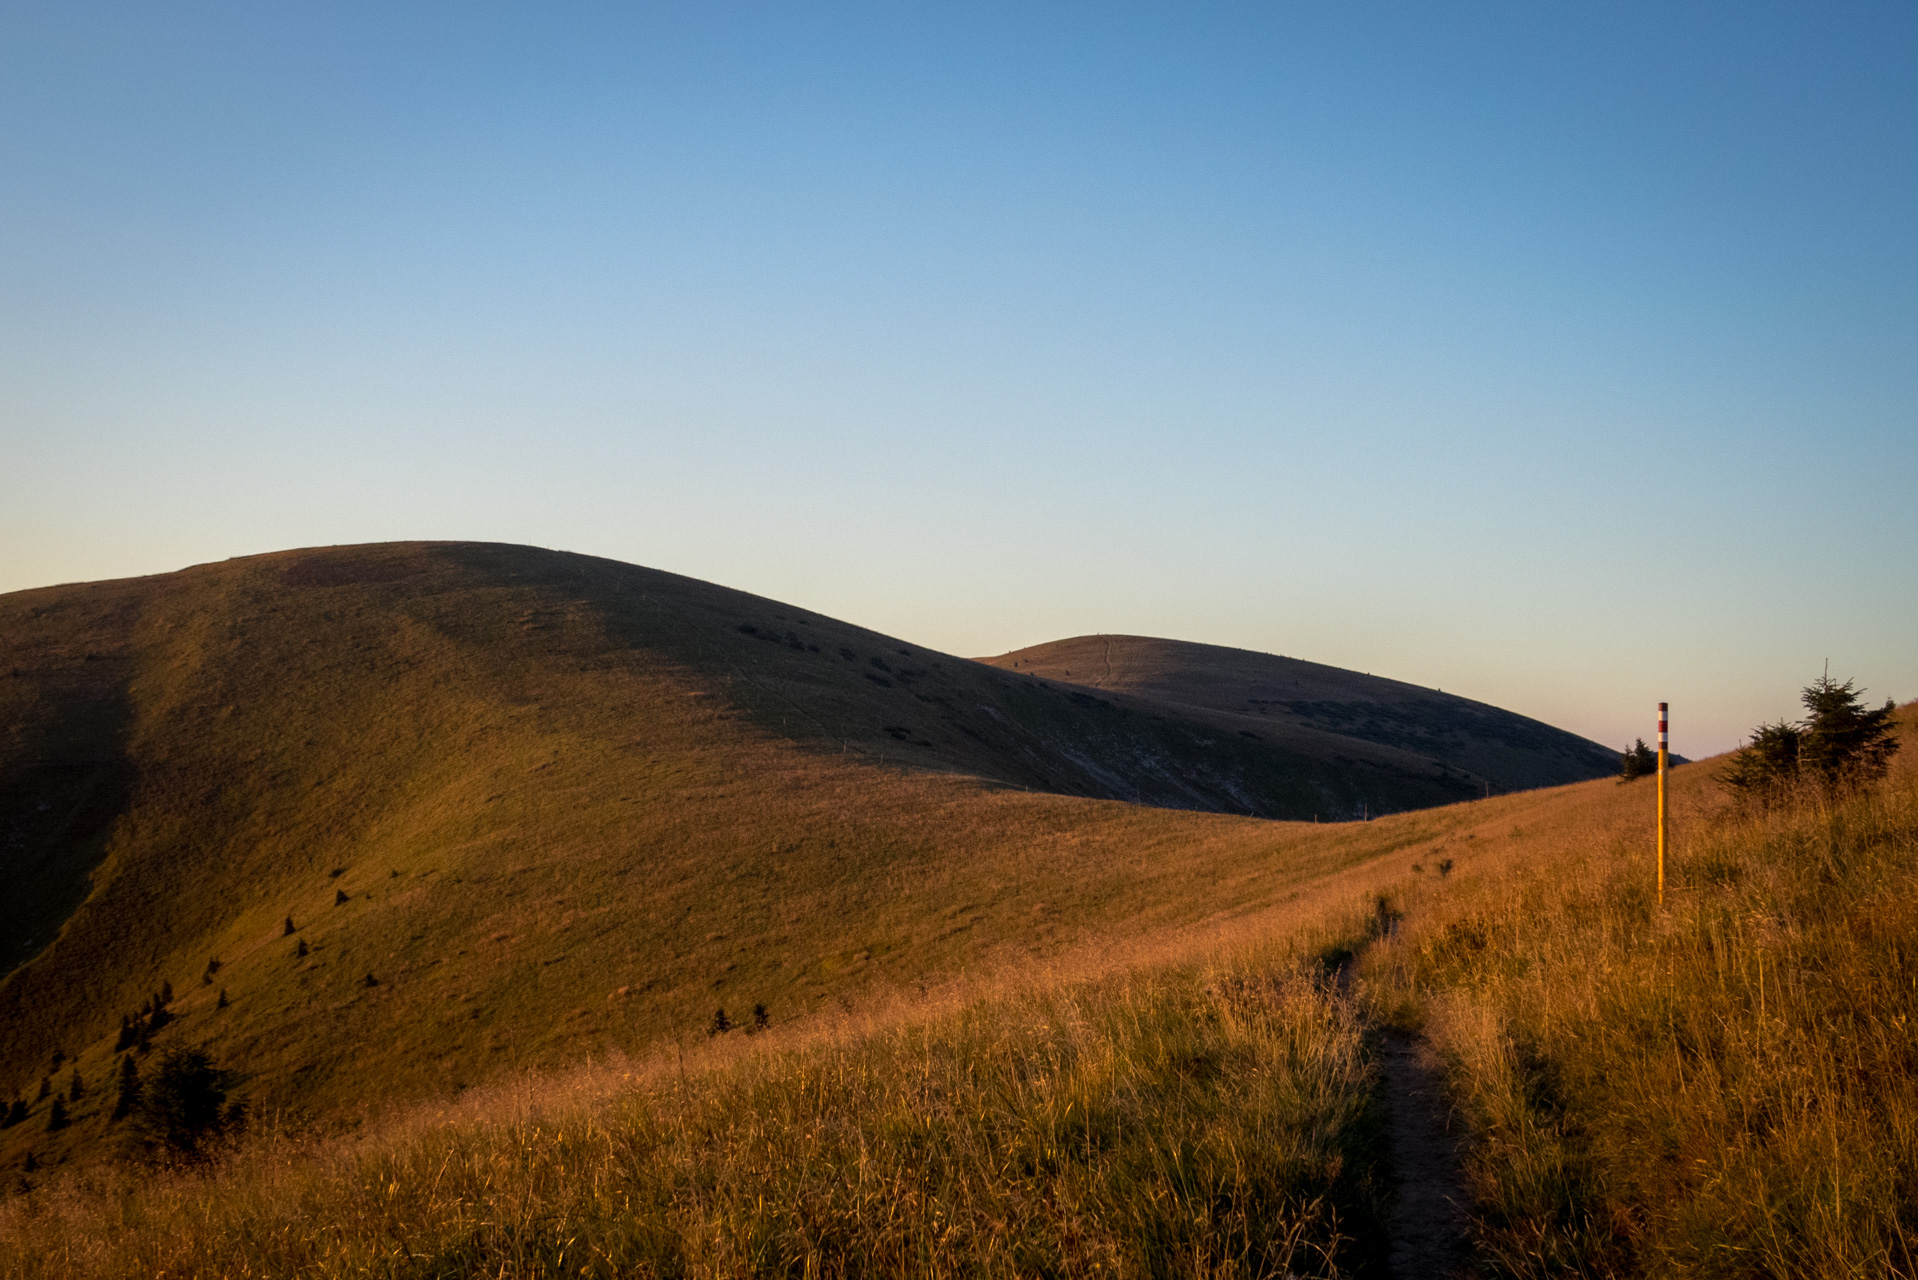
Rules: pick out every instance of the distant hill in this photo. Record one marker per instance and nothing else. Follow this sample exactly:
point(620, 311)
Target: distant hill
point(1299, 703)
point(520, 807)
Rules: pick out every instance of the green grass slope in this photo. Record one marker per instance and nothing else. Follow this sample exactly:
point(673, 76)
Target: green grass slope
point(523, 807)
point(1325, 711)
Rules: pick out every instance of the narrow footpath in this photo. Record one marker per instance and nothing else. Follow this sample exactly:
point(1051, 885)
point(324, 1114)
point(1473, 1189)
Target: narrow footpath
point(1428, 1228)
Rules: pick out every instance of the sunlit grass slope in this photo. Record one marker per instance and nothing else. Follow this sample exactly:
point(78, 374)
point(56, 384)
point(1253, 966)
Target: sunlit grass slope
point(1726, 1085)
point(1196, 1122)
point(1720, 1087)
point(523, 807)
point(1326, 710)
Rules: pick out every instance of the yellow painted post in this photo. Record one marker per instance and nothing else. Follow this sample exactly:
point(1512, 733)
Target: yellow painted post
point(1664, 744)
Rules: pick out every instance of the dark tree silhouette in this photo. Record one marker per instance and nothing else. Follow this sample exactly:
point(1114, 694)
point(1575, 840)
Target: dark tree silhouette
point(1638, 760)
point(720, 1024)
point(183, 1104)
point(1841, 744)
point(128, 1096)
point(57, 1115)
point(288, 931)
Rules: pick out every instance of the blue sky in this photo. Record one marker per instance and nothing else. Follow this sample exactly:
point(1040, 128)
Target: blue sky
point(1565, 358)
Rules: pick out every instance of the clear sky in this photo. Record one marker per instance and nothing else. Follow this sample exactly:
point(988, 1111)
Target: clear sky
point(1564, 357)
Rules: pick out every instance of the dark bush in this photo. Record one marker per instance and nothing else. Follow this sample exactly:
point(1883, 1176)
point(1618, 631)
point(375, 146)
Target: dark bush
point(183, 1105)
point(1841, 744)
point(128, 1095)
point(1637, 761)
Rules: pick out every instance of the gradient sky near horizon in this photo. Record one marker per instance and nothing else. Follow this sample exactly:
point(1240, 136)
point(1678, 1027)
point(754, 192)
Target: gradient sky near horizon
point(1562, 357)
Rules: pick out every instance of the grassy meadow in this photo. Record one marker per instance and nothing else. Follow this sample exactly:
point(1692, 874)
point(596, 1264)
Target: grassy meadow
point(1723, 1086)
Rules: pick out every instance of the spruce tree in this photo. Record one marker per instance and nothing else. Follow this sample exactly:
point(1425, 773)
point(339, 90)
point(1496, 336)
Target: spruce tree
point(75, 1086)
point(128, 1096)
point(1841, 744)
point(288, 931)
point(184, 1102)
point(1638, 761)
point(16, 1112)
point(124, 1041)
point(761, 1019)
point(1845, 743)
point(46, 1087)
point(720, 1024)
point(339, 897)
point(57, 1115)
point(222, 1002)
point(299, 951)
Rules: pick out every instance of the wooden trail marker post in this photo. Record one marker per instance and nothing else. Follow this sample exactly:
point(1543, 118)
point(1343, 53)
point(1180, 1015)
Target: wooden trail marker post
point(1664, 744)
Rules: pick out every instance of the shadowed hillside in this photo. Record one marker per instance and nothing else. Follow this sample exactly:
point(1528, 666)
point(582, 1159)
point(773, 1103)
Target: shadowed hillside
point(1309, 707)
point(425, 812)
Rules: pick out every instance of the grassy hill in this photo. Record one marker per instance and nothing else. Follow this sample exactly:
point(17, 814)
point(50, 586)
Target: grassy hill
point(522, 807)
point(1324, 711)
point(1722, 1085)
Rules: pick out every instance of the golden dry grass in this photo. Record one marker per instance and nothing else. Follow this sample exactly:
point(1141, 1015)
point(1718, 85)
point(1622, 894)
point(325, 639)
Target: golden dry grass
point(1724, 1086)
point(1202, 1119)
point(1721, 1088)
